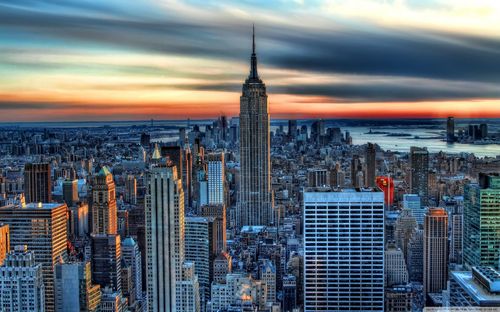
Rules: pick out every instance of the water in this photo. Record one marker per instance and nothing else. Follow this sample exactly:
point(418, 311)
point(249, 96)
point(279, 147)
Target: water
point(429, 131)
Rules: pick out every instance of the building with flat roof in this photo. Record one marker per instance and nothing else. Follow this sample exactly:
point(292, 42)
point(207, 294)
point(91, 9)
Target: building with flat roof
point(42, 227)
point(343, 249)
point(479, 287)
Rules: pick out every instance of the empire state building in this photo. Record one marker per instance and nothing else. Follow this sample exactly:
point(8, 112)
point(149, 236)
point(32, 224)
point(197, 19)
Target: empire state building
point(255, 205)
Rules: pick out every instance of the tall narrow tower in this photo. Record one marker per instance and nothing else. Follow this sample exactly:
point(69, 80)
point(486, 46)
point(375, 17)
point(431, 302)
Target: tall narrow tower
point(255, 205)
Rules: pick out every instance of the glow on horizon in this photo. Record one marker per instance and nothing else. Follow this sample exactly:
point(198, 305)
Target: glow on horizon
point(141, 59)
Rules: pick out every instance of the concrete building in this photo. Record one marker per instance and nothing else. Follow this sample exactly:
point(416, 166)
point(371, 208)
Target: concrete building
point(104, 211)
point(289, 293)
point(21, 282)
point(107, 260)
point(38, 183)
point(46, 238)
point(479, 287)
point(70, 192)
point(435, 250)
point(396, 272)
point(218, 213)
point(131, 257)
point(197, 250)
point(255, 205)
point(412, 202)
point(419, 164)
point(371, 164)
point(343, 250)
point(131, 190)
point(415, 259)
point(222, 267)
point(267, 273)
point(4, 242)
point(74, 291)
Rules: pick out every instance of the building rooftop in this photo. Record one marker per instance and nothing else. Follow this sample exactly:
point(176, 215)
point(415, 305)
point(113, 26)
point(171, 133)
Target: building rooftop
point(47, 206)
point(474, 289)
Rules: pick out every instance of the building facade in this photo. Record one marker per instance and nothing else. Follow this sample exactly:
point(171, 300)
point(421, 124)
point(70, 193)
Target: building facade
point(343, 250)
point(104, 211)
point(435, 250)
point(255, 206)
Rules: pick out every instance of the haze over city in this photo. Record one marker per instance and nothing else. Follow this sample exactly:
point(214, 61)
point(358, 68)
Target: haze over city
point(130, 60)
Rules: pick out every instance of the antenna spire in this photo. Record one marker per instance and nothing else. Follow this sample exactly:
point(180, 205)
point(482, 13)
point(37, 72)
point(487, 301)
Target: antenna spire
point(253, 38)
point(253, 60)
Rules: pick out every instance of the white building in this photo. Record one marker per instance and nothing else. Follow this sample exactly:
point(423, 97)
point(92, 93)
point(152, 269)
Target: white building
point(343, 250)
point(165, 240)
point(164, 201)
point(216, 179)
point(268, 276)
point(21, 283)
point(197, 250)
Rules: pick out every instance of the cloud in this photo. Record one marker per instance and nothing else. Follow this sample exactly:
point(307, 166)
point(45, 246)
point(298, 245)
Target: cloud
point(417, 63)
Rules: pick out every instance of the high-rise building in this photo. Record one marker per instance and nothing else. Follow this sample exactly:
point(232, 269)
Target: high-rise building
point(292, 129)
point(112, 301)
point(70, 192)
point(222, 267)
point(395, 266)
point(450, 130)
point(356, 169)
point(419, 163)
point(131, 190)
point(74, 291)
point(21, 282)
point(398, 298)
point(456, 240)
point(343, 250)
point(267, 273)
point(416, 256)
point(104, 212)
point(197, 250)
point(289, 293)
point(370, 160)
point(107, 260)
point(386, 184)
point(412, 203)
point(188, 292)
point(216, 179)
point(403, 230)
point(318, 177)
point(42, 227)
point(4, 242)
point(78, 223)
point(164, 237)
point(481, 228)
point(218, 213)
point(435, 250)
point(131, 256)
point(255, 206)
point(37, 183)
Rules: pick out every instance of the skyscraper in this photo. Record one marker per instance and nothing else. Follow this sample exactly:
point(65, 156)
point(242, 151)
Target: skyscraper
point(131, 256)
point(396, 272)
point(131, 190)
point(70, 192)
point(343, 250)
point(107, 260)
point(370, 159)
point(74, 289)
point(37, 183)
point(416, 256)
point(4, 241)
point(450, 130)
point(419, 162)
point(21, 282)
point(216, 179)
point(255, 205)
point(435, 250)
point(104, 213)
point(42, 227)
point(164, 213)
point(481, 227)
point(218, 213)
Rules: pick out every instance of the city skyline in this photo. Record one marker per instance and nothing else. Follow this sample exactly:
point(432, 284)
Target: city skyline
point(169, 60)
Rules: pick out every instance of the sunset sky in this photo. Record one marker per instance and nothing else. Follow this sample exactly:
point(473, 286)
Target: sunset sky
point(141, 59)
